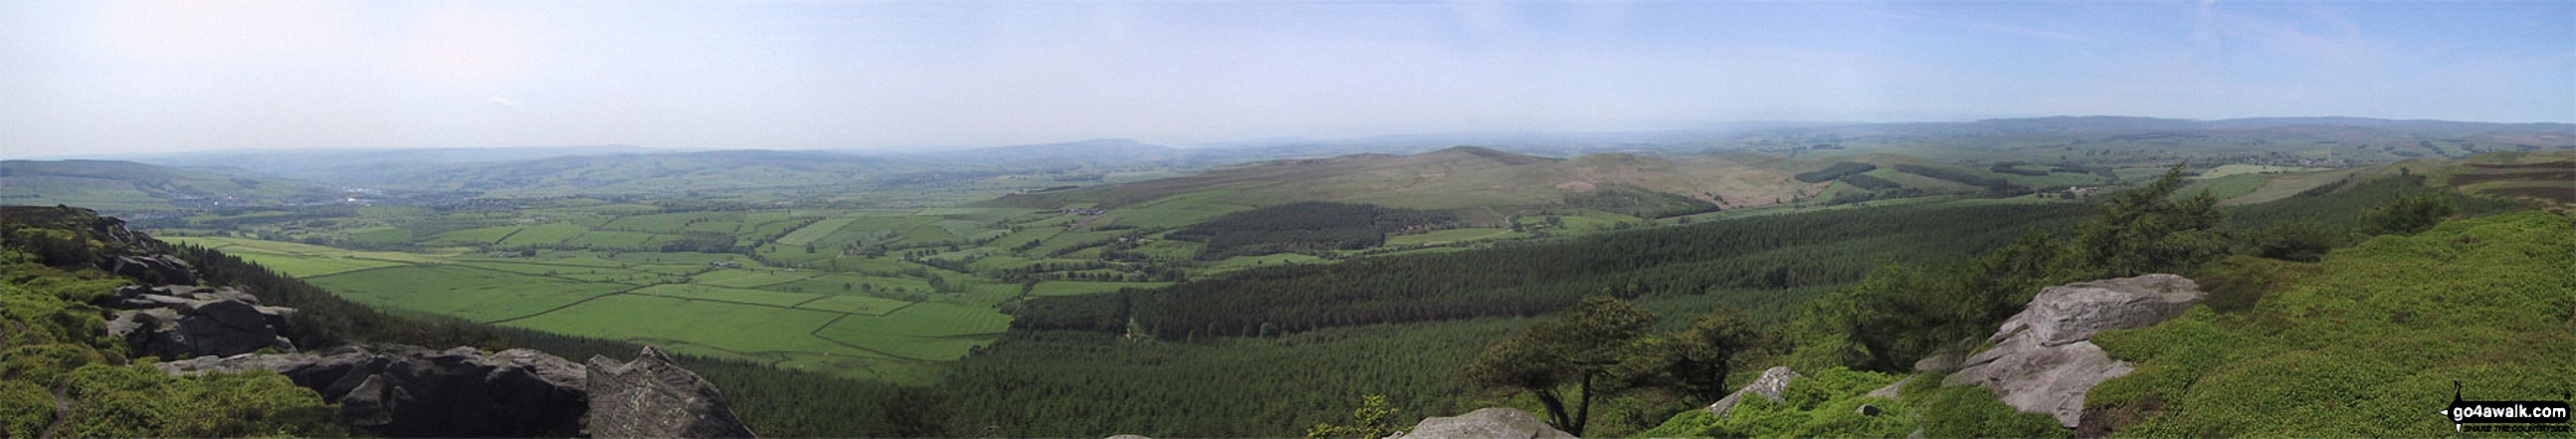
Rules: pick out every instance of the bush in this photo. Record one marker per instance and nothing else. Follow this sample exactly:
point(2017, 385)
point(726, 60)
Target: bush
point(2302, 241)
point(2408, 215)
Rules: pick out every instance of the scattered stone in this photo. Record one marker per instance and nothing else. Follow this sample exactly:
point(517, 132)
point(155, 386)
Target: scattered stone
point(654, 397)
point(1769, 386)
point(2042, 361)
point(1495, 423)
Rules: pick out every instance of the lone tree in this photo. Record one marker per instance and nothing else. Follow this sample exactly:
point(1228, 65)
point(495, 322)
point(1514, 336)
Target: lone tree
point(2146, 230)
point(1592, 338)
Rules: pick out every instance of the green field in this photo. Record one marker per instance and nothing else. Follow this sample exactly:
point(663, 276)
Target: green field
point(921, 331)
point(846, 323)
point(301, 260)
point(480, 295)
point(1243, 262)
point(1068, 288)
point(854, 304)
point(817, 230)
point(1450, 236)
point(727, 295)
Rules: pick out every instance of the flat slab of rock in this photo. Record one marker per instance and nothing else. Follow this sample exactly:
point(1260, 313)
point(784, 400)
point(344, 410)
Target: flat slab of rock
point(2042, 361)
point(1490, 423)
point(1769, 386)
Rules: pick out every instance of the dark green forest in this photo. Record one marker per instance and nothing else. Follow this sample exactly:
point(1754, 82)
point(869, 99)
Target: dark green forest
point(1304, 226)
point(1775, 252)
point(1836, 171)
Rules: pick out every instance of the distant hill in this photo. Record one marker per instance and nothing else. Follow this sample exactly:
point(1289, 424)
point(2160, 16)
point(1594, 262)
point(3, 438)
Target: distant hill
point(1092, 152)
point(334, 164)
point(2138, 141)
point(1472, 178)
point(119, 186)
point(631, 174)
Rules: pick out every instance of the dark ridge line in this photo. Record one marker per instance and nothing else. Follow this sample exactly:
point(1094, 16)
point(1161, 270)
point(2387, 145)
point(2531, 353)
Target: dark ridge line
point(513, 232)
point(801, 305)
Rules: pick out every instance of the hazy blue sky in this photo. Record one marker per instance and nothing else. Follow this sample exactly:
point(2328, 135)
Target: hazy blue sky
point(107, 77)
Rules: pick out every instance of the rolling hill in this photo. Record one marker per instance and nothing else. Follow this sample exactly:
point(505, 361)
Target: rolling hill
point(1493, 183)
point(119, 186)
point(2138, 141)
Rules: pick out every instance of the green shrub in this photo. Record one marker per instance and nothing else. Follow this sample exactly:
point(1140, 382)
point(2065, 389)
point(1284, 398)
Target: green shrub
point(2409, 214)
point(1972, 411)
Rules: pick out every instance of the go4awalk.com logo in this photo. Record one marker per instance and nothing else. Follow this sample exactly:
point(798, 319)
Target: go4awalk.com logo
point(2505, 416)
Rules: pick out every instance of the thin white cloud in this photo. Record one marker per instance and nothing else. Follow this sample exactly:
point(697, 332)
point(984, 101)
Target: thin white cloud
point(503, 102)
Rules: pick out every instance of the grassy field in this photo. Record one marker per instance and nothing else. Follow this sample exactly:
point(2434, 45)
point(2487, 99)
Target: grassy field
point(2227, 187)
point(1068, 288)
point(477, 294)
point(1243, 262)
point(817, 230)
point(837, 322)
point(1451, 236)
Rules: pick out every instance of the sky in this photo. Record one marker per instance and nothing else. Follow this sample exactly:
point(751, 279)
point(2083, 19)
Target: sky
point(116, 77)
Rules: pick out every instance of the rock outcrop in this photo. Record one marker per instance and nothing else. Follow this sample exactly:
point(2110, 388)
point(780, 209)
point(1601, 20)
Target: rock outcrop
point(1769, 386)
point(2042, 361)
point(402, 390)
point(153, 269)
point(179, 321)
point(1490, 423)
point(654, 397)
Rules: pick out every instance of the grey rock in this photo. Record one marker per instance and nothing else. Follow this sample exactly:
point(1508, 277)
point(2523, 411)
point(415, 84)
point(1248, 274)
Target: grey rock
point(1497, 422)
point(364, 406)
point(1892, 391)
point(177, 321)
point(1943, 360)
point(401, 390)
point(654, 397)
point(2042, 361)
point(226, 327)
point(1769, 386)
point(2073, 312)
point(153, 269)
